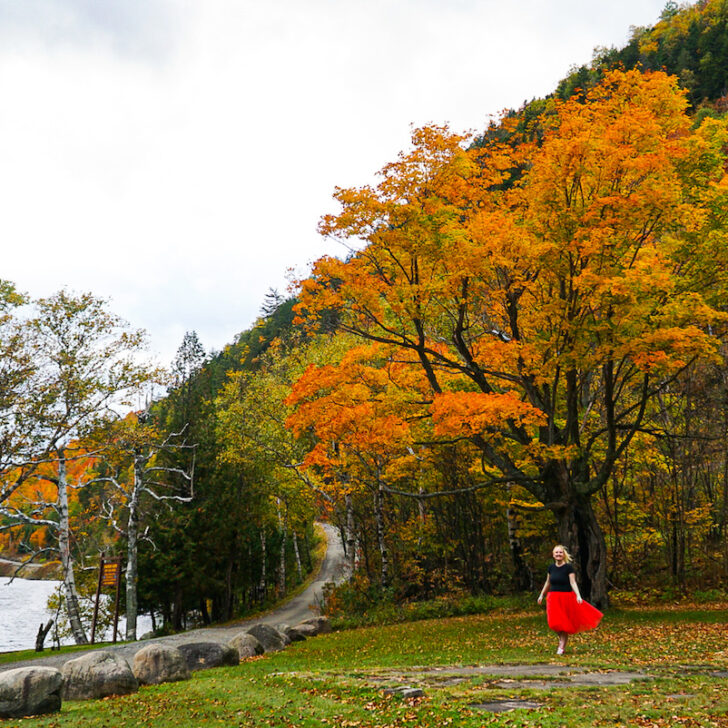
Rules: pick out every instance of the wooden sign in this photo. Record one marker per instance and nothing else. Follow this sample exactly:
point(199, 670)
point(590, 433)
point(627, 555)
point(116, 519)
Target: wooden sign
point(109, 576)
point(110, 573)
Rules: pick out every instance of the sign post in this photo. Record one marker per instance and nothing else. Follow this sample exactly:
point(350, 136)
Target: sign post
point(109, 576)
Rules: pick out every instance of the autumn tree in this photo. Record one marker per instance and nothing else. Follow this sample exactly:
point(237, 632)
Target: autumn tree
point(548, 292)
point(358, 409)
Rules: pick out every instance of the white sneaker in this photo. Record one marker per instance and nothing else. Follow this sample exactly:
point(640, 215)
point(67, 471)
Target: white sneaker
point(560, 651)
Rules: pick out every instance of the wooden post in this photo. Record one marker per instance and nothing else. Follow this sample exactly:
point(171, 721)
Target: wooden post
point(116, 605)
point(98, 594)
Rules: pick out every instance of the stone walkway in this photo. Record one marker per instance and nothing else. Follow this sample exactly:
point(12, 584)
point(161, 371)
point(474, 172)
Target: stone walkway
point(417, 682)
point(291, 612)
point(538, 677)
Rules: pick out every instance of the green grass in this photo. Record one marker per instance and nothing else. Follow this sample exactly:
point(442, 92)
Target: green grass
point(338, 679)
point(10, 657)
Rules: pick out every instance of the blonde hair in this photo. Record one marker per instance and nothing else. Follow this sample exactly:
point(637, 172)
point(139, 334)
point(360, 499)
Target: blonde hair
point(567, 555)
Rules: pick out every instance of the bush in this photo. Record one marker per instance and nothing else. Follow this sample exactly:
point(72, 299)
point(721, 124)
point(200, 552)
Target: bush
point(356, 604)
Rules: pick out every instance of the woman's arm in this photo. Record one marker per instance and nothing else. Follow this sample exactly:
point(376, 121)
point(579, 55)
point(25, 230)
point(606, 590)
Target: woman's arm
point(575, 587)
point(546, 587)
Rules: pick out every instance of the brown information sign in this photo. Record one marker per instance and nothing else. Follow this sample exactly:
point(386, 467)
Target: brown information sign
point(109, 575)
point(110, 572)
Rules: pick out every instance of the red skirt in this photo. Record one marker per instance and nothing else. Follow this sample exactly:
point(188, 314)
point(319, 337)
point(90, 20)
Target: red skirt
point(565, 614)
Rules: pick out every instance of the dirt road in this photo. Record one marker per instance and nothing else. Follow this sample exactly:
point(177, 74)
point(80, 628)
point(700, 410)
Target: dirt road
point(295, 610)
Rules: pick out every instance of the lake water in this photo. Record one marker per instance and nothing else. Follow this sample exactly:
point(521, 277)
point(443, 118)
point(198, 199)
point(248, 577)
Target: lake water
point(23, 608)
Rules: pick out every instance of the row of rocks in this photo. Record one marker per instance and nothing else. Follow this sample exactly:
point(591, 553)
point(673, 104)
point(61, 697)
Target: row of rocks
point(99, 674)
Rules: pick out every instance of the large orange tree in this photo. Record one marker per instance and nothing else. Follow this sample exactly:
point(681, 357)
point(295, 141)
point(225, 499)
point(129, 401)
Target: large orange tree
point(548, 290)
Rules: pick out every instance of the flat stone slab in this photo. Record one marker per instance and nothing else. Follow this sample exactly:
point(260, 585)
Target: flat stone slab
point(531, 684)
point(405, 691)
point(514, 676)
point(503, 706)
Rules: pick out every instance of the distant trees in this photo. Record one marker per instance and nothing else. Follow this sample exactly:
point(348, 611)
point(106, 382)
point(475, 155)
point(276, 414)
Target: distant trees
point(252, 521)
point(133, 468)
point(690, 41)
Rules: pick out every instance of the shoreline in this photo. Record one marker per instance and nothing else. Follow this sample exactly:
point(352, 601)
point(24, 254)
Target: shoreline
point(49, 571)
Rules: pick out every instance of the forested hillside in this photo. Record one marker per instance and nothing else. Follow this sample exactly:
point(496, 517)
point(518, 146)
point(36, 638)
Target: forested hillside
point(523, 343)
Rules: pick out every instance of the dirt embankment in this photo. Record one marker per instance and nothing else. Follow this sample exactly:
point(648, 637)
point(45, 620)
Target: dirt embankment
point(50, 570)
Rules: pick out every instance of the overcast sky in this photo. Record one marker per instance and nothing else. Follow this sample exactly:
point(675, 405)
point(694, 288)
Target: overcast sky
point(175, 156)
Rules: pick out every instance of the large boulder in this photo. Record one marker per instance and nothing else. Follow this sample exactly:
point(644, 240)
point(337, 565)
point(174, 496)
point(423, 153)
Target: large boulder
point(246, 645)
point(321, 625)
point(203, 655)
point(97, 675)
point(271, 639)
point(160, 663)
point(30, 691)
point(306, 630)
point(294, 634)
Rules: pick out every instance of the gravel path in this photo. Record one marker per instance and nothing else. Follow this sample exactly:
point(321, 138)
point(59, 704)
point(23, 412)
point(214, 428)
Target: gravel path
point(293, 611)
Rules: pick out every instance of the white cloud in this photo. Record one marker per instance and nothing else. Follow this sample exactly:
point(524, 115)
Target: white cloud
point(176, 156)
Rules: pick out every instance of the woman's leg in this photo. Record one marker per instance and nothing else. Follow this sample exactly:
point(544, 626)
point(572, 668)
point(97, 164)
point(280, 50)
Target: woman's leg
point(562, 642)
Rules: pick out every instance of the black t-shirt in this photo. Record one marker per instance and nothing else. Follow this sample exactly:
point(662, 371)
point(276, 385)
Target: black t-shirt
point(559, 577)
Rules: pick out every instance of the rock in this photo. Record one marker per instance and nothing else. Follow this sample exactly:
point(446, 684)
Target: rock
point(405, 691)
point(320, 624)
point(97, 675)
point(30, 691)
point(159, 663)
point(503, 706)
point(294, 634)
point(282, 631)
point(271, 639)
point(307, 630)
point(203, 655)
point(246, 645)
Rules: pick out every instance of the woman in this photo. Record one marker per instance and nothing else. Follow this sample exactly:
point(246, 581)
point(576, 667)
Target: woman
point(566, 611)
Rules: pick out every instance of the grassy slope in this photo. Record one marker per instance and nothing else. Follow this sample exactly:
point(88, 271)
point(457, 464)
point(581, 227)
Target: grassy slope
point(334, 679)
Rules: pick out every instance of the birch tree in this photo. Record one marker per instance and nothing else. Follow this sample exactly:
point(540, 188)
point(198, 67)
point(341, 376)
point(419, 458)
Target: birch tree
point(87, 370)
point(20, 390)
point(133, 470)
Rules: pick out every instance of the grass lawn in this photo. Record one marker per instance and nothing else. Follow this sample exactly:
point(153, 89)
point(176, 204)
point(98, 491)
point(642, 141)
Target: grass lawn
point(339, 679)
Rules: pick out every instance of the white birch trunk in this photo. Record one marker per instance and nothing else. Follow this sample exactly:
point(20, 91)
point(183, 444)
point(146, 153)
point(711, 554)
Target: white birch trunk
point(283, 525)
point(64, 546)
point(132, 550)
point(383, 553)
point(350, 544)
point(299, 568)
point(263, 586)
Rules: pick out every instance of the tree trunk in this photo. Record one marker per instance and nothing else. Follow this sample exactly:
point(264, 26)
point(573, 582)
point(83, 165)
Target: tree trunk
point(299, 567)
point(132, 550)
point(383, 553)
point(522, 575)
point(350, 542)
point(64, 546)
point(580, 532)
point(263, 585)
point(283, 525)
point(42, 632)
